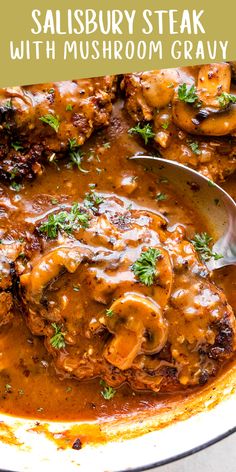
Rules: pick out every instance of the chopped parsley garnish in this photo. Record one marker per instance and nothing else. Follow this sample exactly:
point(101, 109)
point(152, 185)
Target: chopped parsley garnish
point(76, 156)
point(92, 200)
point(8, 388)
point(51, 120)
point(202, 242)
point(106, 145)
point(15, 186)
point(76, 288)
point(161, 197)
point(108, 392)
point(145, 266)
point(73, 144)
point(187, 94)
point(17, 146)
point(76, 159)
point(69, 107)
point(65, 221)
point(165, 125)
point(195, 148)
point(8, 103)
point(58, 339)
point(225, 99)
point(14, 173)
point(54, 201)
point(145, 132)
point(164, 180)
point(211, 183)
point(109, 312)
point(51, 90)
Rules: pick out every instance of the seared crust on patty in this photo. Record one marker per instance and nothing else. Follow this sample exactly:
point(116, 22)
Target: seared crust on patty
point(39, 120)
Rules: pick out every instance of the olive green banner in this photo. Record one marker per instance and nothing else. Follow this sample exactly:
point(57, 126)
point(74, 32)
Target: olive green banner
point(52, 40)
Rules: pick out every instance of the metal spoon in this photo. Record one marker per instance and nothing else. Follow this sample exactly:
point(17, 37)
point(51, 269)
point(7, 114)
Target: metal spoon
point(210, 201)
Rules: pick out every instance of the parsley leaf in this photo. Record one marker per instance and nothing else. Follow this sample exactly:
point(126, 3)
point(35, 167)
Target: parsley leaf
point(76, 288)
point(161, 197)
point(109, 313)
point(69, 107)
point(76, 155)
point(65, 221)
point(201, 242)
point(145, 266)
point(17, 146)
point(195, 148)
point(54, 201)
point(187, 94)
point(92, 200)
point(76, 159)
point(211, 183)
point(14, 173)
point(15, 186)
point(145, 132)
point(8, 104)
point(225, 99)
point(165, 125)
point(51, 120)
point(8, 388)
point(108, 392)
point(58, 339)
point(73, 144)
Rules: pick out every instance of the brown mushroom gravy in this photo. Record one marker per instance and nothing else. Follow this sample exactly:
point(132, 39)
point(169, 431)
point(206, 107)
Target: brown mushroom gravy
point(114, 310)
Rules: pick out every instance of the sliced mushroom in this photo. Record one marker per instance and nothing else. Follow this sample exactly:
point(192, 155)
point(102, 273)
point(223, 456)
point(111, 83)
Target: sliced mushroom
point(138, 325)
point(49, 266)
point(152, 219)
point(210, 119)
point(187, 118)
point(158, 86)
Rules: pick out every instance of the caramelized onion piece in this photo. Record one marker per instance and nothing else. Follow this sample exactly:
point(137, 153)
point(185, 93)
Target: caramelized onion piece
point(138, 325)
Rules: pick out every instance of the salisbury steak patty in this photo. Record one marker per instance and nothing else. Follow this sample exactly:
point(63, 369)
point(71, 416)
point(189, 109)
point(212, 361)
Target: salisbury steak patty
point(126, 299)
point(37, 121)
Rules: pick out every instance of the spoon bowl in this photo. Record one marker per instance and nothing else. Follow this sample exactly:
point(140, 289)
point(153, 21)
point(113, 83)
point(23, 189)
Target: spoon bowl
point(210, 201)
